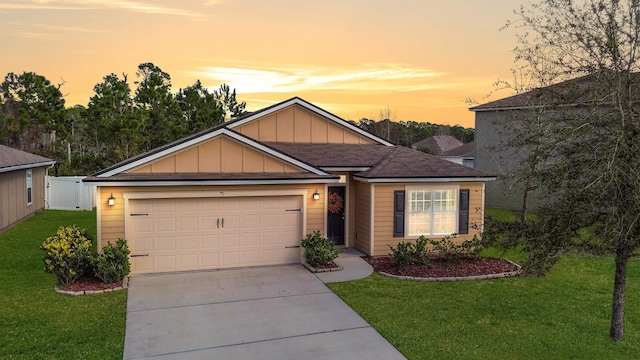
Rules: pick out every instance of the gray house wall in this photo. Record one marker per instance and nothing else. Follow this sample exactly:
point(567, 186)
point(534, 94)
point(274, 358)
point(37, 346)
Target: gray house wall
point(497, 160)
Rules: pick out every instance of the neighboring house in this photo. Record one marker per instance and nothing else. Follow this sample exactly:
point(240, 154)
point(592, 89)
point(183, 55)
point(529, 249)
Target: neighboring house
point(438, 144)
point(246, 192)
point(462, 155)
point(22, 185)
point(528, 111)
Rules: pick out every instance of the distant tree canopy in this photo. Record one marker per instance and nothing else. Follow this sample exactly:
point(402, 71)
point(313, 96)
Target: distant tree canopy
point(117, 123)
point(409, 132)
point(121, 121)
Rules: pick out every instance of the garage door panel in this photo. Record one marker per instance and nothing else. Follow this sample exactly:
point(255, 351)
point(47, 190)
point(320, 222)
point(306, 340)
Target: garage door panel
point(188, 261)
point(208, 241)
point(189, 234)
point(188, 223)
point(209, 260)
point(270, 238)
point(164, 243)
point(230, 241)
point(230, 259)
point(188, 242)
point(250, 240)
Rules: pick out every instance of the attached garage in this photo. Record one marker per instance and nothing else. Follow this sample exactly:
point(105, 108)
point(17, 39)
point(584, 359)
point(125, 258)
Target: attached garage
point(197, 233)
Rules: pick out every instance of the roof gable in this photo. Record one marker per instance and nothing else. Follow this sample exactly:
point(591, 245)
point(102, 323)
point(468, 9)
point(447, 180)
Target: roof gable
point(219, 151)
point(297, 121)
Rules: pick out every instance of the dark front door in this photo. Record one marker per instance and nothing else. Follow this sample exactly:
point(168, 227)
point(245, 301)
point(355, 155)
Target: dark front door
point(336, 202)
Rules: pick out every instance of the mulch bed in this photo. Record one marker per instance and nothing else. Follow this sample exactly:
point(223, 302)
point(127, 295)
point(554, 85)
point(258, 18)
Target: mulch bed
point(90, 283)
point(438, 268)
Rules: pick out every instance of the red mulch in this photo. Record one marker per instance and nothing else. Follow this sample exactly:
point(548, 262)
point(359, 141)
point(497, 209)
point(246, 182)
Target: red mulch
point(90, 283)
point(439, 268)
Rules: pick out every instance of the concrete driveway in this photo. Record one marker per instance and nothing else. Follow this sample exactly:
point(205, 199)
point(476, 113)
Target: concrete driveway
point(282, 312)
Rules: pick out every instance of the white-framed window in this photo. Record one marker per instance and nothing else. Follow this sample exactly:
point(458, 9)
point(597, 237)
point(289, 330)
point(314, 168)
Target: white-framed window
point(431, 211)
point(29, 187)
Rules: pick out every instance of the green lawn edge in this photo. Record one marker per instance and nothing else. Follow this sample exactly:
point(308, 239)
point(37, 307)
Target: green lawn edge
point(564, 315)
point(38, 323)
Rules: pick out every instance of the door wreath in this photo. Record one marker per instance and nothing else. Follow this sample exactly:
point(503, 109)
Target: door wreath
point(335, 203)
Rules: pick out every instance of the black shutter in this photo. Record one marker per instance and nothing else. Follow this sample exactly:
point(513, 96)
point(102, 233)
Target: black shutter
point(463, 220)
point(398, 213)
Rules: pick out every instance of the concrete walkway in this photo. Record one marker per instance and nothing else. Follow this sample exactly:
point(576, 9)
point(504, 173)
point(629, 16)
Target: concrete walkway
point(282, 312)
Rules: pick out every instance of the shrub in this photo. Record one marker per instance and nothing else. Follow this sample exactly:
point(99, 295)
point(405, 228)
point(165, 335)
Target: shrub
point(318, 250)
point(409, 252)
point(451, 252)
point(113, 264)
point(68, 254)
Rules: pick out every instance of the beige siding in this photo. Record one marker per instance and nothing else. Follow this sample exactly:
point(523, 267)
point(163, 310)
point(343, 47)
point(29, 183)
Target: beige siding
point(112, 222)
point(296, 124)
point(362, 217)
point(218, 155)
point(383, 214)
point(13, 196)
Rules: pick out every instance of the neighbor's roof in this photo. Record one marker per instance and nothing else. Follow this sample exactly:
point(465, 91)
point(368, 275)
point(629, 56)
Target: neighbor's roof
point(438, 144)
point(12, 159)
point(574, 92)
point(466, 150)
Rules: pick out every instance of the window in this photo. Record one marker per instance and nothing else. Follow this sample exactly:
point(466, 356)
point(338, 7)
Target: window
point(29, 187)
point(431, 211)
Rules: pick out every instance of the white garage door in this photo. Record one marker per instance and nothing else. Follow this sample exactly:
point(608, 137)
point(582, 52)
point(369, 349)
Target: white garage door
point(212, 233)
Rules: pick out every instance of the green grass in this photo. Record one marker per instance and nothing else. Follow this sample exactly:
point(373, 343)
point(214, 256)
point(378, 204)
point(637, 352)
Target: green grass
point(564, 315)
point(38, 323)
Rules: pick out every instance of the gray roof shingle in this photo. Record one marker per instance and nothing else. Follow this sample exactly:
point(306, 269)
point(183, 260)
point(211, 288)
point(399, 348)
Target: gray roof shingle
point(11, 158)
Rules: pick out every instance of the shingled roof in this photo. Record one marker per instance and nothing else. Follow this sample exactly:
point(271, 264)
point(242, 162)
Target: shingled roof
point(12, 159)
point(387, 162)
point(466, 150)
point(438, 144)
point(575, 92)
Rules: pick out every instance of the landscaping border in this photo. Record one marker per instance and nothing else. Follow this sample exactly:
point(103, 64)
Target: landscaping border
point(321, 270)
point(91, 292)
point(460, 278)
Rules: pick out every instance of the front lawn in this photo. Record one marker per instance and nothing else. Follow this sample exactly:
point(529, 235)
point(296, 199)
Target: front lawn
point(564, 315)
point(38, 323)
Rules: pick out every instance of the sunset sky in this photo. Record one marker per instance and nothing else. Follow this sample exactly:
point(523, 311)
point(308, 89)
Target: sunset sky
point(419, 58)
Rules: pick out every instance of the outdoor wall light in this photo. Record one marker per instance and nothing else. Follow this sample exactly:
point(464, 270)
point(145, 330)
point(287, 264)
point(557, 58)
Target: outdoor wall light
point(316, 195)
point(111, 201)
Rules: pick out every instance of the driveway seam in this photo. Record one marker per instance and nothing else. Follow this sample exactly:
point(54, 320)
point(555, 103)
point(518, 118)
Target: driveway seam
point(255, 342)
point(231, 301)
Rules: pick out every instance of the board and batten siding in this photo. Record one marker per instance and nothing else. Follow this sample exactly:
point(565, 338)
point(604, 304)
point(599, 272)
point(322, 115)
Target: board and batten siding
point(221, 154)
point(383, 214)
point(13, 195)
point(111, 219)
point(295, 124)
point(362, 216)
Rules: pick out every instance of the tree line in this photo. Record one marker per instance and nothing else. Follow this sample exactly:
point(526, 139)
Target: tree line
point(122, 120)
point(117, 123)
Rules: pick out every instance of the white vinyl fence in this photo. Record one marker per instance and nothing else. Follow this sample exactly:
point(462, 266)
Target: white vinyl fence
point(69, 193)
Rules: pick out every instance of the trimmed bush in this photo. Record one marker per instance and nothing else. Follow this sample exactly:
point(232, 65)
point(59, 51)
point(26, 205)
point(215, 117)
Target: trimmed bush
point(68, 254)
point(318, 250)
point(113, 264)
point(410, 252)
point(451, 252)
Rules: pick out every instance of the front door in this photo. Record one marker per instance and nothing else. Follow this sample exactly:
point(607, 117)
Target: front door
point(335, 214)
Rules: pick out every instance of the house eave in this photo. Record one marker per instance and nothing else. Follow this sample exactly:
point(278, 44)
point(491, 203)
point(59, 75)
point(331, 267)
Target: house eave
point(345, 168)
point(210, 182)
point(26, 166)
point(424, 180)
